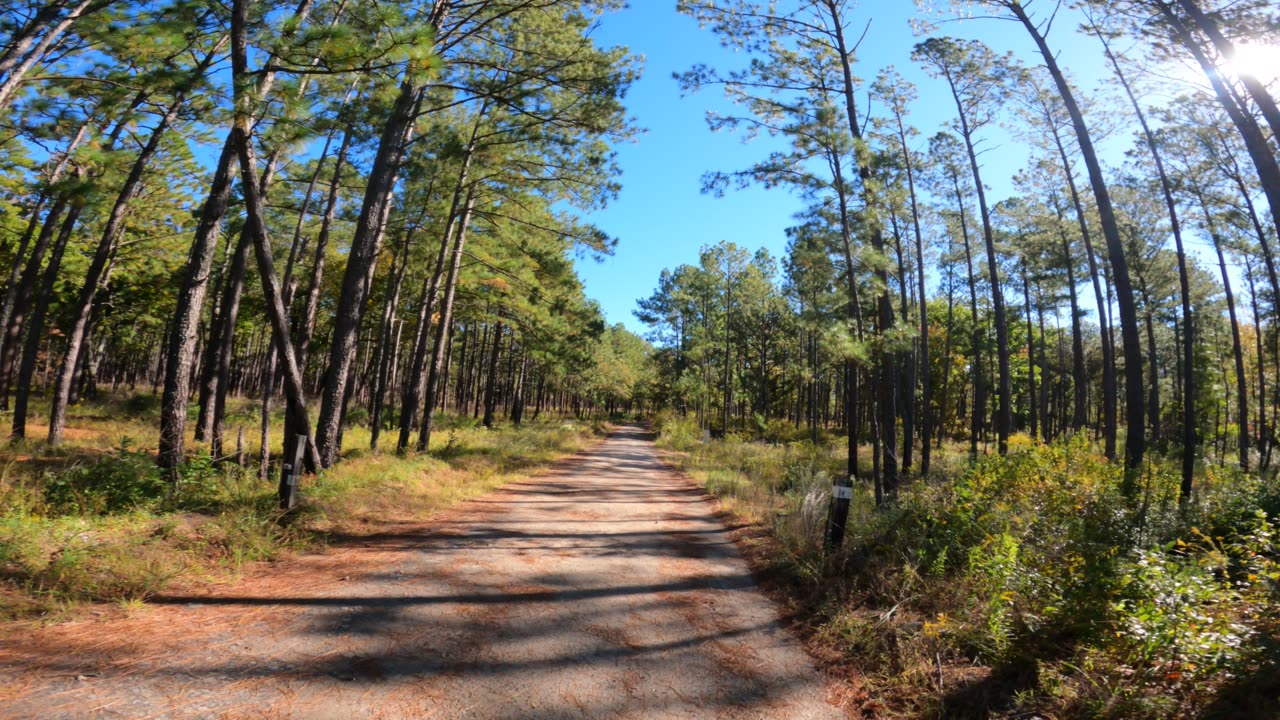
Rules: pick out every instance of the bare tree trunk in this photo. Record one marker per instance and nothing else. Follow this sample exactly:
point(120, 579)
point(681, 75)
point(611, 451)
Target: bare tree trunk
point(312, 303)
point(490, 389)
point(1080, 399)
point(442, 330)
point(1004, 387)
point(299, 422)
point(979, 335)
point(1153, 399)
point(1109, 389)
point(518, 401)
point(1184, 283)
point(945, 409)
point(926, 396)
point(1237, 349)
point(1135, 438)
point(887, 482)
point(1031, 355)
point(112, 230)
point(195, 284)
point(365, 246)
point(35, 329)
point(385, 346)
point(220, 370)
point(1263, 438)
point(22, 294)
point(11, 294)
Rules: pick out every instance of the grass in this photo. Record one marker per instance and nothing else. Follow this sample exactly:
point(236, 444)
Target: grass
point(1020, 586)
point(94, 521)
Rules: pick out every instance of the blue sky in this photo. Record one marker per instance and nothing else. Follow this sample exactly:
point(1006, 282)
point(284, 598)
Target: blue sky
point(662, 218)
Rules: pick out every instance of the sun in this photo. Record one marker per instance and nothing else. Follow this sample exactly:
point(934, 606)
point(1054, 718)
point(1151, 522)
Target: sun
point(1261, 62)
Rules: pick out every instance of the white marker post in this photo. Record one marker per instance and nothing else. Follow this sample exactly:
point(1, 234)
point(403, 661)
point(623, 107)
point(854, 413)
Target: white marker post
point(290, 473)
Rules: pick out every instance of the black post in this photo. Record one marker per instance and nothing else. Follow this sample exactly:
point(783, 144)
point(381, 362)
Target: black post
point(841, 494)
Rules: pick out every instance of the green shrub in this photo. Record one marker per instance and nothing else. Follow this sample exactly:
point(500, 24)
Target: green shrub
point(358, 416)
point(125, 480)
point(142, 405)
point(679, 433)
point(1122, 607)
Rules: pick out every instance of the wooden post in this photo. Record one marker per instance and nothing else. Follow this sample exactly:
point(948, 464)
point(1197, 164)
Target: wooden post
point(240, 447)
point(291, 472)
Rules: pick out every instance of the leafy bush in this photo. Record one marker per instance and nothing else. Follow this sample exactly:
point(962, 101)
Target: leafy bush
point(679, 433)
point(359, 415)
point(125, 480)
point(142, 405)
point(128, 480)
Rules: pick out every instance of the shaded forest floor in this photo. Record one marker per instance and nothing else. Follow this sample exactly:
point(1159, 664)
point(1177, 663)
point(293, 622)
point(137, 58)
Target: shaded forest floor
point(1015, 587)
point(93, 521)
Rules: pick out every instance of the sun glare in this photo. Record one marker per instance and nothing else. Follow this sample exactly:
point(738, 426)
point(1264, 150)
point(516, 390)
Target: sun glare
point(1257, 61)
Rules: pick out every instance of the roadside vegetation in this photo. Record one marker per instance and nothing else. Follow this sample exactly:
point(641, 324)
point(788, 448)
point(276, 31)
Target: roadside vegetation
point(99, 521)
point(1005, 427)
point(1024, 585)
point(225, 226)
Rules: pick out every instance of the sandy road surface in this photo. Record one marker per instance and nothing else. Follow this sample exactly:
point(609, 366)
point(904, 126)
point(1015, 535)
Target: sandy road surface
point(605, 589)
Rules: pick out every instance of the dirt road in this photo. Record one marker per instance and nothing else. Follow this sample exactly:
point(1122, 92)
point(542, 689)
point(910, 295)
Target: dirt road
point(606, 589)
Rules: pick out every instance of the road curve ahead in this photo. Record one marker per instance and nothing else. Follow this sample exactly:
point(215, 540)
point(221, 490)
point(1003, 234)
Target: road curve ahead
point(604, 589)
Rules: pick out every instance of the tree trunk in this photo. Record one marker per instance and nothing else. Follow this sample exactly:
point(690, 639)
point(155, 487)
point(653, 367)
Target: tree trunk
point(906, 375)
point(365, 246)
point(979, 334)
point(298, 421)
point(312, 303)
point(1237, 349)
point(1135, 438)
point(446, 321)
point(385, 346)
point(416, 384)
point(195, 284)
point(1079, 386)
point(518, 401)
point(490, 383)
point(926, 398)
point(1004, 383)
point(35, 329)
point(1033, 418)
point(216, 385)
point(22, 293)
point(1184, 283)
point(886, 424)
point(1263, 438)
point(1109, 390)
point(1153, 399)
point(11, 294)
point(111, 232)
point(944, 412)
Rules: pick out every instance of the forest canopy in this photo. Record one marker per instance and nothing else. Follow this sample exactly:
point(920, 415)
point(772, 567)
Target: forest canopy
point(366, 211)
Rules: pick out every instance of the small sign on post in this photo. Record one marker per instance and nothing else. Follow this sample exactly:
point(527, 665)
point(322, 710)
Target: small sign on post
point(290, 473)
point(841, 495)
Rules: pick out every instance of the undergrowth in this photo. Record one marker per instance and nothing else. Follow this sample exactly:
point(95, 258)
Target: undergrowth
point(95, 523)
point(1022, 586)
